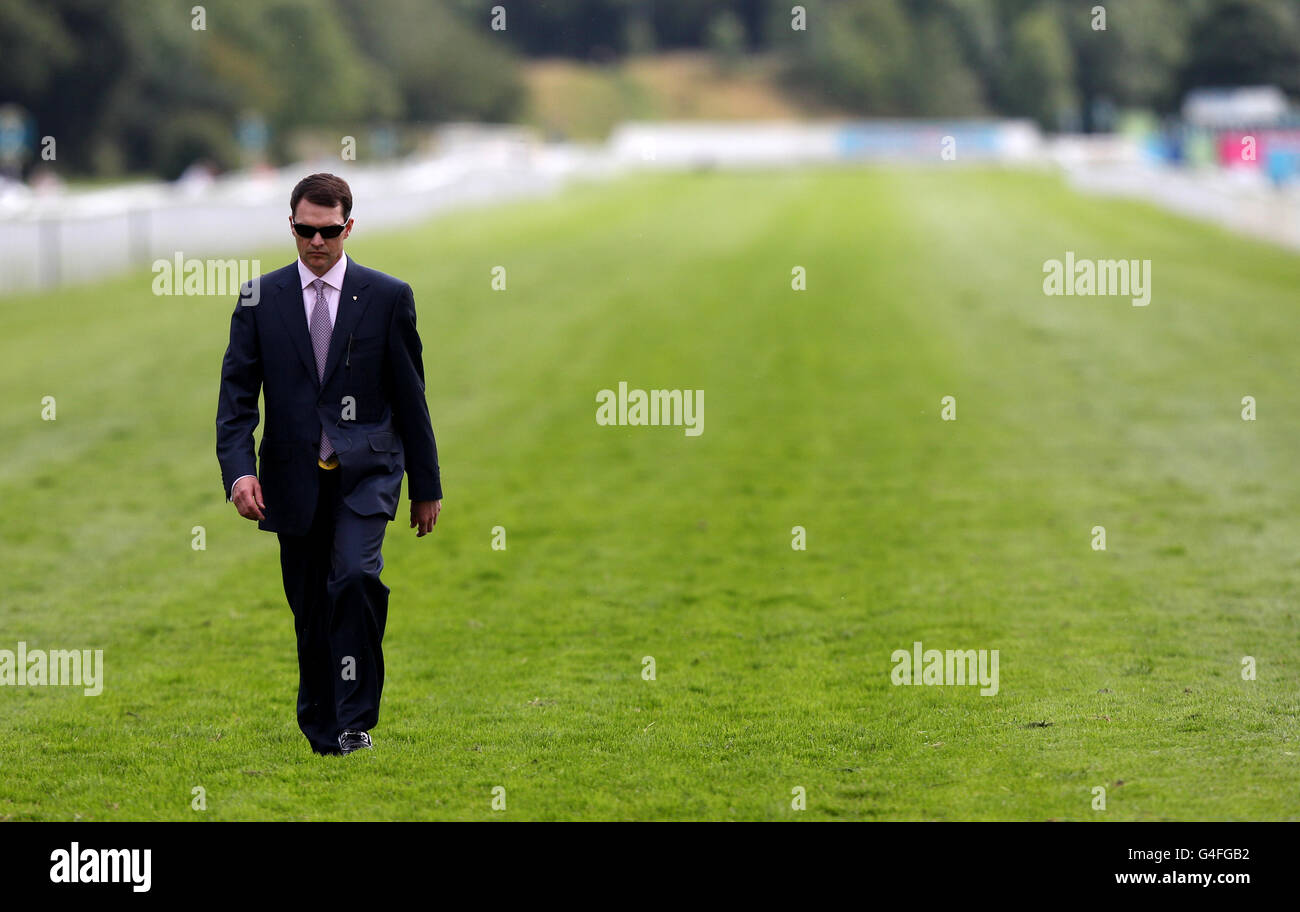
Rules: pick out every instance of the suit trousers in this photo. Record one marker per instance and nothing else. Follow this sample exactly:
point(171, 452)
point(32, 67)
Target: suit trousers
point(340, 607)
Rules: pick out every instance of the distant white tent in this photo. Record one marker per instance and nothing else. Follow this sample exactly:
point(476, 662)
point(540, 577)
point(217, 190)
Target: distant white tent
point(1237, 106)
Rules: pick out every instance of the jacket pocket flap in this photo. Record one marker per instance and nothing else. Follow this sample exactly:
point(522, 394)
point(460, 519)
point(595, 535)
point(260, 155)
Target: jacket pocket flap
point(383, 442)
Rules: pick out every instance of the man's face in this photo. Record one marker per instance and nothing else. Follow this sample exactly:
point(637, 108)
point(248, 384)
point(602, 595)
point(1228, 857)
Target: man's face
point(318, 253)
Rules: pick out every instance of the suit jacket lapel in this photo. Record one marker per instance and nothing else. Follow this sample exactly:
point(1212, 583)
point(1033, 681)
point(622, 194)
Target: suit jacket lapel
point(289, 305)
point(352, 304)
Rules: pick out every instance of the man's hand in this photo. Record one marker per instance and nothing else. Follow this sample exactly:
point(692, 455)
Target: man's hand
point(247, 498)
point(424, 514)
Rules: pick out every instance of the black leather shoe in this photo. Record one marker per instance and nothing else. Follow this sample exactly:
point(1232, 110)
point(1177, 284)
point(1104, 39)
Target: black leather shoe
point(354, 740)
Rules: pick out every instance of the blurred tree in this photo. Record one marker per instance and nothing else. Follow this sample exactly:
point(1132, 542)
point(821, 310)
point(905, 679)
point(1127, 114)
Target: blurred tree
point(440, 66)
point(942, 83)
point(33, 45)
point(1245, 42)
point(1135, 61)
point(132, 86)
point(136, 87)
point(187, 138)
point(1038, 79)
point(727, 39)
point(978, 27)
point(854, 53)
point(67, 91)
point(639, 35)
point(295, 60)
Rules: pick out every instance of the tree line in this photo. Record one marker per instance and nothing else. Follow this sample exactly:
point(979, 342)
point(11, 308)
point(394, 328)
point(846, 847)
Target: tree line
point(143, 85)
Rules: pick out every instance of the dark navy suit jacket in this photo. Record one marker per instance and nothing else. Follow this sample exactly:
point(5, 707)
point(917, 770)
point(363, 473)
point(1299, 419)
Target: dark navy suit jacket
point(371, 403)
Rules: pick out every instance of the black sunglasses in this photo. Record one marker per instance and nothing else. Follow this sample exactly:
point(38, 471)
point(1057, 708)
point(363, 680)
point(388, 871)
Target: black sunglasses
point(328, 232)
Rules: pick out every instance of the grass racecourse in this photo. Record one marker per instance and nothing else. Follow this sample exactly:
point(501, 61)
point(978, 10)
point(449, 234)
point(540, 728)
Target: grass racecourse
point(522, 668)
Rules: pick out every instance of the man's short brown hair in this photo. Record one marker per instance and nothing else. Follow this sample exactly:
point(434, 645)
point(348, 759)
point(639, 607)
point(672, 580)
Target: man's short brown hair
point(323, 190)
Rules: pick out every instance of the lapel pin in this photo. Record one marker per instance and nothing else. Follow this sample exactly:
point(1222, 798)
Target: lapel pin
point(354, 297)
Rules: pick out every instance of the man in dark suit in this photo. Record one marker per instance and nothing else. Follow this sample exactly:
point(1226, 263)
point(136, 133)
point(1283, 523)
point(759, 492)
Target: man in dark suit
point(333, 346)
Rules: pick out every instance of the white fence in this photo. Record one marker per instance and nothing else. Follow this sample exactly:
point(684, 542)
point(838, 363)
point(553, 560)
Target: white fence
point(75, 237)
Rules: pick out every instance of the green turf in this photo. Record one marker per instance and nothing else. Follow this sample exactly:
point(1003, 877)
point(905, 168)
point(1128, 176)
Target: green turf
point(522, 668)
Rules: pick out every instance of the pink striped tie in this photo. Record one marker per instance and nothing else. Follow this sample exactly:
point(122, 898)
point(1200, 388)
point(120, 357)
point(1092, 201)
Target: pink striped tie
point(321, 329)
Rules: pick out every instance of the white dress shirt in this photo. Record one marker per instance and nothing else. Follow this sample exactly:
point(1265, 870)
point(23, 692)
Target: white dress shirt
point(333, 287)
